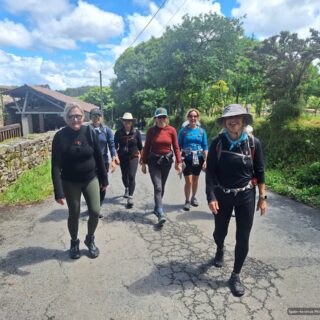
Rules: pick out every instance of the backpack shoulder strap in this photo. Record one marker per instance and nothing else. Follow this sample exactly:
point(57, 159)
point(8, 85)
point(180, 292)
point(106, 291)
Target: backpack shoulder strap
point(184, 133)
point(251, 145)
point(219, 148)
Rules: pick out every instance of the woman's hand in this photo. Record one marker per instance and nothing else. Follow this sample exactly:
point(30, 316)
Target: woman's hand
point(60, 201)
point(113, 166)
point(116, 160)
point(204, 166)
point(262, 206)
point(178, 167)
point(214, 207)
point(143, 168)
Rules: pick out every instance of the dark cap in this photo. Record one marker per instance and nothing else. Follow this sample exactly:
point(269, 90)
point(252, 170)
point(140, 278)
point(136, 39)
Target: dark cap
point(95, 112)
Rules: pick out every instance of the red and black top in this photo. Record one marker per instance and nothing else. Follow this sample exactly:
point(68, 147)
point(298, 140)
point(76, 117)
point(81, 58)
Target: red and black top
point(161, 141)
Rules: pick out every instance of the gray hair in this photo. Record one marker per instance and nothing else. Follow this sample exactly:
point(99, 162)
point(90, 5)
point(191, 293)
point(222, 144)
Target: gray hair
point(68, 108)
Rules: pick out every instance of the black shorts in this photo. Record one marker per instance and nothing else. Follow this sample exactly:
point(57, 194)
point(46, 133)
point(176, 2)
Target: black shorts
point(190, 169)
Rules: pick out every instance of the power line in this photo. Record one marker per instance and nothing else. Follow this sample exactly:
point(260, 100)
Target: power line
point(146, 26)
point(184, 2)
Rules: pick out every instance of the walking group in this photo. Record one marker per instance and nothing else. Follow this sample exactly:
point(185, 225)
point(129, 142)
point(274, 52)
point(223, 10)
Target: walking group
point(233, 166)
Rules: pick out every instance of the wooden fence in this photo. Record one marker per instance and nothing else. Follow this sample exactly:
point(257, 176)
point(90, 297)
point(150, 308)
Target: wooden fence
point(10, 131)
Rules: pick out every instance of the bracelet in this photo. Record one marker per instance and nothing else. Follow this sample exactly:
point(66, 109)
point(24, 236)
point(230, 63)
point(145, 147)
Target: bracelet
point(263, 197)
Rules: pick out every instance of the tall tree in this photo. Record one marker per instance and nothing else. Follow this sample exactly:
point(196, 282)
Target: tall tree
point(285, 59)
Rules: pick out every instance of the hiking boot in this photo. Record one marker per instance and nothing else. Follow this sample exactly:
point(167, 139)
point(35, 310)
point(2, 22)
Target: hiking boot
point(219, 258)
point(130, 202)
point(93, 250)
point(126, 193)
point(236, 286)
point(186, 206)
point(161, 218)
point(155, 211)
point(194, 202)
point(74, 251)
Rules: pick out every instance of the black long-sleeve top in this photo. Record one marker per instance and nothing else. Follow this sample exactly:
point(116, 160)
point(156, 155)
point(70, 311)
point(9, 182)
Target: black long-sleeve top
point(128, 144)
point(76, 157)
point(231, 170)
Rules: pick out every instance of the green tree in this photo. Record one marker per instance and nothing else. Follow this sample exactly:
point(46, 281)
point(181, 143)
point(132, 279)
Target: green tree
point(314, 103)
point(285, 60)
point(93, 96)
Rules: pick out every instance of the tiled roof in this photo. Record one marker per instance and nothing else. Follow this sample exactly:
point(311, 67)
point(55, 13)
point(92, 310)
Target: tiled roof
point(20, 91)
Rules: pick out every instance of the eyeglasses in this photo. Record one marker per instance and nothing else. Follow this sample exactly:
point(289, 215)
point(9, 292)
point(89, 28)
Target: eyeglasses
point(162, 117)
point(75, 117)
point(191, 116)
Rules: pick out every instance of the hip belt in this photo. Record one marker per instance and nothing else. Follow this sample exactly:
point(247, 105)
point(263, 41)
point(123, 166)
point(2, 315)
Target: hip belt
point(195, 155)
point(159, 158)
point(236, 190)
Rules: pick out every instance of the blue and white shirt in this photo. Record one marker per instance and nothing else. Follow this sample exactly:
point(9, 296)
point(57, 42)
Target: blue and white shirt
point(193, 139)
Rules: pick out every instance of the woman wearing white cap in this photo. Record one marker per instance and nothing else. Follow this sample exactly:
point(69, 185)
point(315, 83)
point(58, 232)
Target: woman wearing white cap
point(234, 168)
point(128, 145)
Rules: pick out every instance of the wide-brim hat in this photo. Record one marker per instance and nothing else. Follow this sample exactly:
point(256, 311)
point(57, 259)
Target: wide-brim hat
point(235, 110)
point(127, 116)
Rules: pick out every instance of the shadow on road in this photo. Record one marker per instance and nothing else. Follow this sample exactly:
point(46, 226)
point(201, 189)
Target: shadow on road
point(134, 216)
point(195, 215)
point(56, 215)
point(20, 258)
point(175, 276)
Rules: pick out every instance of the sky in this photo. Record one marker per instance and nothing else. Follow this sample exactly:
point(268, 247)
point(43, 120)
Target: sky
point(64, 43)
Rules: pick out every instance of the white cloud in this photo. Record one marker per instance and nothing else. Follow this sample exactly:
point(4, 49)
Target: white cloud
point(56, 24)
point(38, 9)
point(169, 15)
point(267, 18)
point(12, 34)
point(89, 23)
point(17, 70)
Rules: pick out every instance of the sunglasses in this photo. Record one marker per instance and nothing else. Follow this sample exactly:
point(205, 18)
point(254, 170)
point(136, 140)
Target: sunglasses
point(75, 117)
point(162, 117)
point(191, 116)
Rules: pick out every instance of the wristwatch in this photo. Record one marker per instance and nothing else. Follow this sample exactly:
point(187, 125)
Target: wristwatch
point(263, 197)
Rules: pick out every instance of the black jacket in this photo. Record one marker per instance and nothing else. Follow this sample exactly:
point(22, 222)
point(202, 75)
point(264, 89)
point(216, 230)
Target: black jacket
point(232, 170)
point(76, 157)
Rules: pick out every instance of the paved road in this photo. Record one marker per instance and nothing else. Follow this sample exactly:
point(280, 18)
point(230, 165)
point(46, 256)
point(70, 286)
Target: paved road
point(148, 273)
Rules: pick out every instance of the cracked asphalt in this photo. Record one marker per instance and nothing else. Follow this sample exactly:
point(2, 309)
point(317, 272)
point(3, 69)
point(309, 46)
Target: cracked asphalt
point(146, 272)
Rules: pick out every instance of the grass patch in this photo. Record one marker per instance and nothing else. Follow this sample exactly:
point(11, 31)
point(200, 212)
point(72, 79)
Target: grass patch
point(288, 183)
point(32, 186)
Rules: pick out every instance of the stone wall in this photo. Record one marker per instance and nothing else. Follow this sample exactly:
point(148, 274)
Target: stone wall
point(21, 154)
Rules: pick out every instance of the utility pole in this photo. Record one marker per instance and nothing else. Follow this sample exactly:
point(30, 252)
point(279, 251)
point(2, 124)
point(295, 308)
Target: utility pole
point(101, 98)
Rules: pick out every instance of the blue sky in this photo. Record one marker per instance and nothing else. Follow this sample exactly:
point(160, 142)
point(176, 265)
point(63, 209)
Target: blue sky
point(64, 43)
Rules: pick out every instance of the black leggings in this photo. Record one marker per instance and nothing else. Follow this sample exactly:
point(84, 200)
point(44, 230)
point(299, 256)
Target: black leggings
point(129, 169)
point(159, 175)
point(244, 206)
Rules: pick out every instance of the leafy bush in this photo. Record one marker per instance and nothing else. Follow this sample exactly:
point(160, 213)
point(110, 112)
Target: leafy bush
point(308, 175)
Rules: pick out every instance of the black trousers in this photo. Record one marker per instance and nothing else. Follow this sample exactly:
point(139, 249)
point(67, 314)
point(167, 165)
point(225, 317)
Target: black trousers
point(128, 170)
point(243, 205)
point(159, 174)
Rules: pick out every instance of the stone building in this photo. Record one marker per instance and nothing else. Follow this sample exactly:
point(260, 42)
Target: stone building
point(39, 109)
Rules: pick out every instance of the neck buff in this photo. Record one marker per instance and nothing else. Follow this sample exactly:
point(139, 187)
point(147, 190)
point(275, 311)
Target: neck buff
point(234, 143)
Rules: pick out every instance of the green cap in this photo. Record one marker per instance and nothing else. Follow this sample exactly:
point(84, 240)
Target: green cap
point(160, 112)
